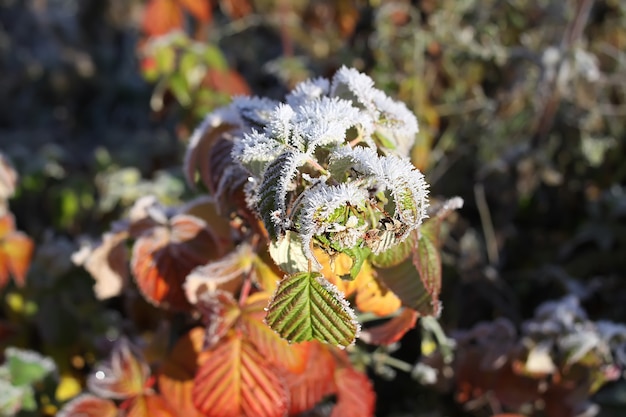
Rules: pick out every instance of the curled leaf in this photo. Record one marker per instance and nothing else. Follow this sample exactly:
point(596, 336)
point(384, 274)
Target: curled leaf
point(87, 405)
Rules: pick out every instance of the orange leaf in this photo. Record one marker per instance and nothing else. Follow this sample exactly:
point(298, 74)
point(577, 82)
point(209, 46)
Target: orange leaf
point(235, 381)
point(200, 9)
point(150, 406)
point(374, 297)
point(161, 17)
point(164, 255)
point(277, 351)
point(88, 405)
point(316, 382)
point(355, 396)
point(16, 250)
point(391, 331)
point(176, 375)
point(124, 376)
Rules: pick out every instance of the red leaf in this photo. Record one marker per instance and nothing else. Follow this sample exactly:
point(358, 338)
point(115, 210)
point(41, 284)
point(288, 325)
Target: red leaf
point(235, 381)
point(164, 255)
point(392, 330)
point(236, 9)
point(308, 388)
point(220, 312)
point(200, 9)
point(16, 250)
point(161, 17)
point(87, 405)
point(176, 375)
point(275, 350)
point(355, 395)
point(124, 376)
point(151, 406)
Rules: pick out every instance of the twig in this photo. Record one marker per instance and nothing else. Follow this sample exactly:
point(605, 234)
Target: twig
point(485, 219)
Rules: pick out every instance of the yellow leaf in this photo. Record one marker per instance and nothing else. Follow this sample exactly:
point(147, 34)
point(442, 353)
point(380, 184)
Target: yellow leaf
point(69, 387)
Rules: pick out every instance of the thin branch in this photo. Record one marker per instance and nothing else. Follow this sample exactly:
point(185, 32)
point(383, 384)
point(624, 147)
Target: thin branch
point(487, 224)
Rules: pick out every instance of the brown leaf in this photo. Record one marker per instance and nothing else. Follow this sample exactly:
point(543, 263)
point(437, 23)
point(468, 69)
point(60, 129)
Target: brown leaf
point(392, 330)
point(164, 255)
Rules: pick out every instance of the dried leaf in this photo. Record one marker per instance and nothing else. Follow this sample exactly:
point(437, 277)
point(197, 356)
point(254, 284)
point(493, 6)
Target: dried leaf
point(164, 255)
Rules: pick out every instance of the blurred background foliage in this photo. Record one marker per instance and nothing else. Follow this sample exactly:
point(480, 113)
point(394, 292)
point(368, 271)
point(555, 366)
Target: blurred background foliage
point(521, 107)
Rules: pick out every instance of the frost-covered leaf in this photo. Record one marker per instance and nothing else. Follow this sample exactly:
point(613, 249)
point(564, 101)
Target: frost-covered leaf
point(123, 376)
point(235, 381)
point(277, 181)
point(355, 394)
point(165, 254)
point(307, 307)
point(214, 126)
point(307, 91)
point(26, 366)
point(336, 213)
point(396, 254)
point(220, 313)
point(392, 330)
point(225, 273)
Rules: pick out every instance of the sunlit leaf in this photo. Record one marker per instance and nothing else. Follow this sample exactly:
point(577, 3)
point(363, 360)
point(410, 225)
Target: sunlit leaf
point(8, 180)
point(276, 351)
point(404, 281)
point(316, 382)
point(307, 307)
point(235, 381)
point(123, 376)
point(355, 394)
point(107, 262)
point(396, 254)
point(16, 250)
point(225, 273)
point(392, 330)
point(176, 374)
point(88, 405)
point(373, 296)
point(288, 254)
point(164, 255)
point(264, 275)
point(150, 405)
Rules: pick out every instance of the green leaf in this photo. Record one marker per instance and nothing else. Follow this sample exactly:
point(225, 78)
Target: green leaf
point(404, 281)
point(358, 255)
point(307, 307)
point(27, 367)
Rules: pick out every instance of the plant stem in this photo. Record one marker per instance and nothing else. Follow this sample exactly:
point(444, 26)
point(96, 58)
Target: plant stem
point(245, 289)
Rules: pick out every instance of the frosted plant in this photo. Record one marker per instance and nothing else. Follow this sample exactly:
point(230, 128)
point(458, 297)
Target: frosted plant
point(328, 174)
